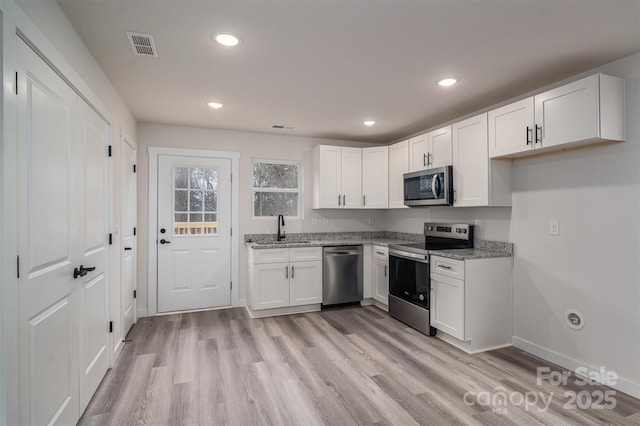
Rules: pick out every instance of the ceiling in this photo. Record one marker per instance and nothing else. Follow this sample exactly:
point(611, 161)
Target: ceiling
point(325, 66)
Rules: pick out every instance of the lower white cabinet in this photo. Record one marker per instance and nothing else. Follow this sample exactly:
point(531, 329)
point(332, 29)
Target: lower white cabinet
point(286, 277)
point(381, 274)
point(471, 302)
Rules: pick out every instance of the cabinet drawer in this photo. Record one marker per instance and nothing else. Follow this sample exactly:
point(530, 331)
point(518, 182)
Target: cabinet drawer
point(305, 254)
point(448, 267)
point(381, 252)
point(270, 255)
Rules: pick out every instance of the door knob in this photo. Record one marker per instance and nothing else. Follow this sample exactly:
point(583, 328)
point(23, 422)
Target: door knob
point(82, 271)
point(163, 241)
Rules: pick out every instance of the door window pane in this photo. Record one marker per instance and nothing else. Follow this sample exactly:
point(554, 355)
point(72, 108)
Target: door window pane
point(195, 192)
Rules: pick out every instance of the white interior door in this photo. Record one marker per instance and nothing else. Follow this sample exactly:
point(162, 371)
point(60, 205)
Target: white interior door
point(48, 244)
point(128, 239)
point(194, 232)
point(93, 227)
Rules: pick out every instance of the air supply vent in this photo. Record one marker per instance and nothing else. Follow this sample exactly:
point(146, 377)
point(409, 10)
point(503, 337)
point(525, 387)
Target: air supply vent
point(283, 126)
point(142, 44)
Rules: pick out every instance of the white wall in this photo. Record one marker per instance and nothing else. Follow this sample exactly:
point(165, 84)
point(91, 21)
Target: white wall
point(592, 266)
point(249, 145)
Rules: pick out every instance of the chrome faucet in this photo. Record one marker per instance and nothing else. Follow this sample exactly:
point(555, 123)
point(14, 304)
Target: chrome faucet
point(280, 235)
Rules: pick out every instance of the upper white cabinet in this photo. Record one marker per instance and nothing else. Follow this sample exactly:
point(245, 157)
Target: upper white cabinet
point(337, 177)
point(583, 112)
point(477, 180)
point(375, 177)
point(430, 150)
point(398, 166)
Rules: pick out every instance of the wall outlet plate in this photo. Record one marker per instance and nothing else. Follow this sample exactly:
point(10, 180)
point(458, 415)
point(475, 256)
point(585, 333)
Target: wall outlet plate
point(554, 227)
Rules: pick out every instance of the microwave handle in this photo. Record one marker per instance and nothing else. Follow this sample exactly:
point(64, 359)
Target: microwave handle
point(435, 186)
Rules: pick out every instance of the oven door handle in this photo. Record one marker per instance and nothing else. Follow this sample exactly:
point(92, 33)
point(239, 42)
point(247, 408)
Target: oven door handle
point(422, 258)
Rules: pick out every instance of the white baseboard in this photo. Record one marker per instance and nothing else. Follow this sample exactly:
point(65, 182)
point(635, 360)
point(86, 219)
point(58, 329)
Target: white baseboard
point(143, 313)
point(621, 385)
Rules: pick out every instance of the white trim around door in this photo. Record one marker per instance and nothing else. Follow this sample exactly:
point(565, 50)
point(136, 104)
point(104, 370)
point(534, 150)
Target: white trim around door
point(152, 262)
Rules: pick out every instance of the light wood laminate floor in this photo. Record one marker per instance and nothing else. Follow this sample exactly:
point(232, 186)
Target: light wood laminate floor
point(345, 366)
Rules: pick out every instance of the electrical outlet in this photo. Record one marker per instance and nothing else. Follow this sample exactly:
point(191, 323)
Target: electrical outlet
point(325, 221)
point(370, 220)
point(554, 227)
point(314, 221)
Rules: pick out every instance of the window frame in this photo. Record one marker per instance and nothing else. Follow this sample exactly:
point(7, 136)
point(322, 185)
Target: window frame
point(298, 190)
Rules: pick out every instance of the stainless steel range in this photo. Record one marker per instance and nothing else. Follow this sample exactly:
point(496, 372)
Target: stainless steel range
point(409, 280)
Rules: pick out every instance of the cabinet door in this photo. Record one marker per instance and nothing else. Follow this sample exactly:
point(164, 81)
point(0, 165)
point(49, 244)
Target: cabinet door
point(569, 113)
point(305, 286)
point(398, 165)
point(351, 177)
point(440, 150)
point(381, 280)
point(418, 150)
point(447, 305)
point(326, 169)
point(471, 162)
point(511, 129)
point(270, 285)
point(375, 177)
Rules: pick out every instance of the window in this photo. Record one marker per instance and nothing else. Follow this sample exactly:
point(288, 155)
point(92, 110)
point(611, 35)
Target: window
point(276, 188)
point(195, 201)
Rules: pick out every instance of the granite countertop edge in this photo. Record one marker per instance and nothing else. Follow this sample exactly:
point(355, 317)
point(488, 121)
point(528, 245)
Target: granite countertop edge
point(458, 254)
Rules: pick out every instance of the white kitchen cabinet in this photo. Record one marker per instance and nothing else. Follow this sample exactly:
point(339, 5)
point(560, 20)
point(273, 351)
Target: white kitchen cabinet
point(337, 177)
point(305, 283)
point(270, 285)
point(431, 150)
point(511, 128)
point(447, 314)
point(471, 302)
point(375, 177)
point(285, 277)
point(478, 180)
point(586, 111)
point(381, 274)
point(398, 166)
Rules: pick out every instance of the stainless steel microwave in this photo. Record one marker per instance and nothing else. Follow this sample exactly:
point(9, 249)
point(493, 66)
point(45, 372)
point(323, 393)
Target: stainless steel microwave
point(432, 187)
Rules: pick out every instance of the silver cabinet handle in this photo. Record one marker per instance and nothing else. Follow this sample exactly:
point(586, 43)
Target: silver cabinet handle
point(538, 130)
point(444, 267)
point(292, 270)
point(429, 158)
point(380, 253)
point(385, 270)
point(344, 200)
point(364, 200)
point(339, 200)
point(424, 160)
point(286, 272)
point(529, 131)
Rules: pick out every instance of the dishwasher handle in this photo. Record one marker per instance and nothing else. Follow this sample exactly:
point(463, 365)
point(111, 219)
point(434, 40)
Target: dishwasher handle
point(342, 253)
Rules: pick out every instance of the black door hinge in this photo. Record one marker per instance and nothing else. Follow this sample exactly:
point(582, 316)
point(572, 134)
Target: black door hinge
point(109, 151)
point(135, 231)
point(16, 82)
point(135, 294)
point(134, 168)
point(110, 239)
point(18, 266)
point(110, 326)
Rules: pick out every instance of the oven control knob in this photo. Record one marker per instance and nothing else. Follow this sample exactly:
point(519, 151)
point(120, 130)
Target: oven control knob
point(429, 228)
point(421, 297)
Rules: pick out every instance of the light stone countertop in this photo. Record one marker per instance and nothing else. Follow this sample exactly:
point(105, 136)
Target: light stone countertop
point(484, 249)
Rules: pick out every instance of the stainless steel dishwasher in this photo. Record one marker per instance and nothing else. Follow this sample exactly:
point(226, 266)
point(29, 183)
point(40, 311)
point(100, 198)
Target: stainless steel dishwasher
point(341, 275)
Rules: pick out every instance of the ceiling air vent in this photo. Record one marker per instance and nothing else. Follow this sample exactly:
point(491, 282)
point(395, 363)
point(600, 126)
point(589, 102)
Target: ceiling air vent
point(142, 44)
point(283, 126)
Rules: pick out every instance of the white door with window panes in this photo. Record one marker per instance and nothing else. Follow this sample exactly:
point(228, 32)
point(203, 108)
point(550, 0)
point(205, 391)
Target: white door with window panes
point(194, 232)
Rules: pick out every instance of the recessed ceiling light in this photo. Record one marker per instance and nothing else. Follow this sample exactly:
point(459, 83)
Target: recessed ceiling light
point(226, 39)
point(215, 105)
point(446, 82)
point(369, 122)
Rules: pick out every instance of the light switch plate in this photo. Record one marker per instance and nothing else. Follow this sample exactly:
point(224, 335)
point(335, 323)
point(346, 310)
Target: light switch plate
point(554, 227)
